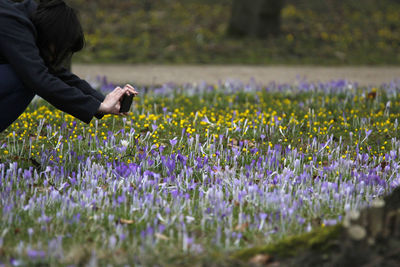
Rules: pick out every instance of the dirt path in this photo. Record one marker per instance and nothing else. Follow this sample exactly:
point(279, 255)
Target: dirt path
point(159, 74)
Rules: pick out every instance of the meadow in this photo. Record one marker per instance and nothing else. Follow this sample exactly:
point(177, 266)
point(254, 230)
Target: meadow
point(194, 31)
point(194, 173)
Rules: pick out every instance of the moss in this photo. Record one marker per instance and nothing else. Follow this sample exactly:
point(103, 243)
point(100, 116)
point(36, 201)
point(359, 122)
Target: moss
point(317, 240)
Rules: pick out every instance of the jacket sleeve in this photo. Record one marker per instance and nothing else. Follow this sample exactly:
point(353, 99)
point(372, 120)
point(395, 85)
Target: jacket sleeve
point(17, 45)
point(73, 80)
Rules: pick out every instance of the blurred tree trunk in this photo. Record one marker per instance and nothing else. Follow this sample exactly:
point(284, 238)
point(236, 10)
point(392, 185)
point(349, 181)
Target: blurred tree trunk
point(258, 18)
point(147, 5)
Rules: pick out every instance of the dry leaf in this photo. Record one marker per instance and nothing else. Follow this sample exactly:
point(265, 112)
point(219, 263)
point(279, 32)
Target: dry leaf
point(144, 130)
point(372, 95)
point(249, 143)
point(161, 236)
point(41, 188)
point(123, 221)
point(316, 222)
point(384, 164)
point(242, 227)
point(260, 259)
point(233, 143)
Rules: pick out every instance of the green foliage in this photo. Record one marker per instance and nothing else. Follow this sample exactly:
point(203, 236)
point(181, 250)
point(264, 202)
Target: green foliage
point(176, 31)
point(317, 240)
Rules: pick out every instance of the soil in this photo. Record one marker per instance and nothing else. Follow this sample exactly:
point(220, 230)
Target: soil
point(180, 74)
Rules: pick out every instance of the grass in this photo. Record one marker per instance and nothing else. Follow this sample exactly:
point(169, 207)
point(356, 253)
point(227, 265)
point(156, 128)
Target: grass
point(313, 32)
point(194, 175)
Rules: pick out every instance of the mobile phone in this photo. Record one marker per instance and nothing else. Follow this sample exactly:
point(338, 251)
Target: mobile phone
point(126, 103)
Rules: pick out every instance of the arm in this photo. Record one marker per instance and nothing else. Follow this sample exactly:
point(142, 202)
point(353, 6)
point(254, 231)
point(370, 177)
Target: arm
point(17, 45)
point(73, 80)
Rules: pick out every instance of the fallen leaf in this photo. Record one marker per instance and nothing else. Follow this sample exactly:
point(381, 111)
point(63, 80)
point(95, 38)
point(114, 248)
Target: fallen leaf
point(233, 143)
point(316, 222)
point(261, 259)
point(161, 236)
point(250, 143)
point(41, 188)
point(384, 164)
point(120, 252)
point(242, 227)
point(124, 221)
point(230, 145)
point(144, 131)
point(372, 95)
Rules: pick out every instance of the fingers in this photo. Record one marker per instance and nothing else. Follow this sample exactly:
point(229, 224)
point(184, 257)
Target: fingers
point(112, 102)
point(127, 89)
point(120, 93)
point(116, 90)
point(131, 89)
point(117, 106)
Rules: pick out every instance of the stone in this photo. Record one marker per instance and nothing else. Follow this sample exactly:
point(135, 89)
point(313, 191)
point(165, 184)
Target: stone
point(357, 232)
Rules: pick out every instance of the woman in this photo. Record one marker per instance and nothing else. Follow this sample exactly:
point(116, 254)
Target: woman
point(34, 42)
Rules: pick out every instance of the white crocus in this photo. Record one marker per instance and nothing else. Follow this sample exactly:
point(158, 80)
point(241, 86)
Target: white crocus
point(125, 143)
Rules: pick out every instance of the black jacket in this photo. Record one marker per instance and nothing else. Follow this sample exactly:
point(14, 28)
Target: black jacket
point(62, 89)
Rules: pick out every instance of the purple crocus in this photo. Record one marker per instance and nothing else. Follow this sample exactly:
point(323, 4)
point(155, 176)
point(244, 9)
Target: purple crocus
point(35, 254)
point(173, 142)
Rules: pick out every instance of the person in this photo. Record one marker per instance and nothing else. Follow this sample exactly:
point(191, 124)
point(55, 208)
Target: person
point(35, 41)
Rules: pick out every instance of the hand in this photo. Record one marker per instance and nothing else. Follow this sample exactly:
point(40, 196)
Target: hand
point(111, 103)
point(131, 89)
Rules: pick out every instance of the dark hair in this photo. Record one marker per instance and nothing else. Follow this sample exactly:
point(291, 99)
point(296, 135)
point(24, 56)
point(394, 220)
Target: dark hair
point(59, 31)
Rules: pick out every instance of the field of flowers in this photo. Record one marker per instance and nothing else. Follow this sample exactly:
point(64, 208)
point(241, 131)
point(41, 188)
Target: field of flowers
point(194, 172)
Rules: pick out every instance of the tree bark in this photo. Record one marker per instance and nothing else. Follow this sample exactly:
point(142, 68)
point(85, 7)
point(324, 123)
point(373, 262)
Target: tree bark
point(257, 18)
